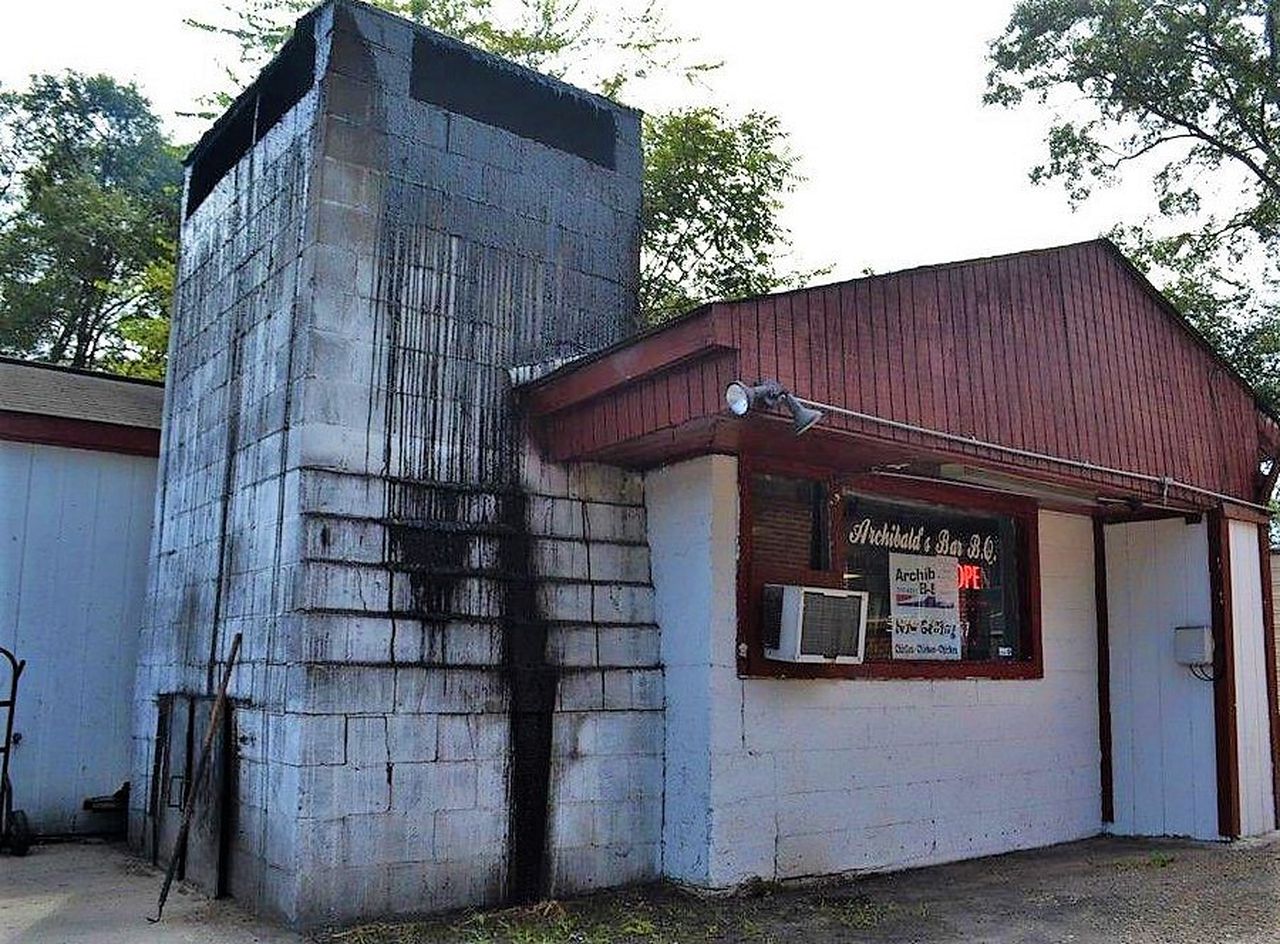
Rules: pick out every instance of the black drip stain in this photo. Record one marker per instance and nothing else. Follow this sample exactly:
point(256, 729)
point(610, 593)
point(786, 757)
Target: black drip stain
point(430, 545)
point(427, 546)
point(436, 513)
point(451, 467)
point(532, 683)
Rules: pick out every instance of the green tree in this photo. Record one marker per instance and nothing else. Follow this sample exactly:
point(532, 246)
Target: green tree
point(568, 39)
point(712, 192)
point(713, 184)
point(1184, 95)
point(88, 215)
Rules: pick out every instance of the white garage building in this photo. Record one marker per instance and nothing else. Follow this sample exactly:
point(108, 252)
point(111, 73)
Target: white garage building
point(77, 488)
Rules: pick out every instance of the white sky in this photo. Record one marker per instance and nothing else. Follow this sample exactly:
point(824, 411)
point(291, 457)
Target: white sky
point(904, 165)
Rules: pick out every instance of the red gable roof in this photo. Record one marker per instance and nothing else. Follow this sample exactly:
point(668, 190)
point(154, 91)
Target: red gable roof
point(1067, 352)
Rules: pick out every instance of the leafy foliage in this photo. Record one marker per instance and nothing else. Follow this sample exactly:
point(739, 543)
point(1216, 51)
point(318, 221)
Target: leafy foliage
point(1189, 94)
point(88, 214)
point(568, 39)
point(712, 192)
point(713, 184)
point(90, 187)
point(143, 346)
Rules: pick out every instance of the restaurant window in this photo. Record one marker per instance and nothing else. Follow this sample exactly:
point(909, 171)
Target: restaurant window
point(942, 583)
point(947, 573)
point(789, 521)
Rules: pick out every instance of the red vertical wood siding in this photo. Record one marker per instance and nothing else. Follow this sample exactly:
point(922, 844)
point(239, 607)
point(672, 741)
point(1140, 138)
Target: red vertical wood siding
point(1066, 351)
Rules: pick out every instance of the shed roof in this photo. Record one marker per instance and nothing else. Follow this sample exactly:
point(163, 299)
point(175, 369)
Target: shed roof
point(1067, 352)
point(48, 390)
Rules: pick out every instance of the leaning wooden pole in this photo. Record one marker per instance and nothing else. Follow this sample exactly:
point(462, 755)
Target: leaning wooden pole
point(188, 803)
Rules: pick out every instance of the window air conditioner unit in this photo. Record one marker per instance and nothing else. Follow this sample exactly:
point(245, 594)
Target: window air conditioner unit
point(814, 624)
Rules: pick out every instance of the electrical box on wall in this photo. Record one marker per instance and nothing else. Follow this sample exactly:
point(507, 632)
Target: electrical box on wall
point(1193, 645)
point(814, 624)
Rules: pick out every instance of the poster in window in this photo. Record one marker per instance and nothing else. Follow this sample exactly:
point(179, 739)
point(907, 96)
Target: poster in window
point(924, 606)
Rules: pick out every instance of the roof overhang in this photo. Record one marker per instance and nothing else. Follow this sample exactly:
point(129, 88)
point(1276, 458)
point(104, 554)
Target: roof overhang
point(659, 398)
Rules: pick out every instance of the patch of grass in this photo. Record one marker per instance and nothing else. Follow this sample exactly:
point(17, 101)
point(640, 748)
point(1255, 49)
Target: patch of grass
point(1152, 860)
point(548, 922)
point(762, 914)
point(861, 914)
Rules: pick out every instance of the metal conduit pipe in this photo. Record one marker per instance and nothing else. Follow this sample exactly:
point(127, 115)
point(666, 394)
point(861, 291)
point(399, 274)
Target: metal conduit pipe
point(1165, 482)
point(1064, 497)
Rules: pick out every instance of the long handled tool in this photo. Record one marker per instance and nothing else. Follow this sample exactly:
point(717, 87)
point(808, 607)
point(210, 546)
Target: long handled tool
point(188, 803)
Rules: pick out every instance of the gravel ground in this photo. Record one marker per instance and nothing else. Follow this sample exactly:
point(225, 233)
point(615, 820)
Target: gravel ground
point(1101, 890)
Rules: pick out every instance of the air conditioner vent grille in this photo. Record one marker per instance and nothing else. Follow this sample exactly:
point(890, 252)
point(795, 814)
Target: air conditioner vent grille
point(830, 625)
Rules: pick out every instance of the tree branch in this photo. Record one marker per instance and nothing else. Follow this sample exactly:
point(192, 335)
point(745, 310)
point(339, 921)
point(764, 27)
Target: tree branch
point(1145, 149)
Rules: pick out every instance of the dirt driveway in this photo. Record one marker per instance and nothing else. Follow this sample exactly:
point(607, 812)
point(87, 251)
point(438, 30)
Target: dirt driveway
point(69, 893)
point(1102, 890)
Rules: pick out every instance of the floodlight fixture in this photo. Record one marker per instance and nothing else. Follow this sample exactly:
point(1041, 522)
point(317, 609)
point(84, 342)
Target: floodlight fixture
point(803, 418)
point(741, 398)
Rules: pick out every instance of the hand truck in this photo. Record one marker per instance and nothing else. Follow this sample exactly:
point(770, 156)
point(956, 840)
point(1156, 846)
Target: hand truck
point(15, 833)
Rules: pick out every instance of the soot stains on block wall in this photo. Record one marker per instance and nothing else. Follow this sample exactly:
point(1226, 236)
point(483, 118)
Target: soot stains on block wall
point(220, 560)
point(450, 75)
point(424, 635)
point(491, 253)
point(532, 683)
point(258, 109)
point(451, 447)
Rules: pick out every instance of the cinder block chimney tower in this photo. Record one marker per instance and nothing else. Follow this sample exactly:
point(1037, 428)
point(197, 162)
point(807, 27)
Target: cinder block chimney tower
point(447, 692)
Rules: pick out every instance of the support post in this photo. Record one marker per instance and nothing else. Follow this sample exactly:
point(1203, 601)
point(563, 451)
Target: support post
point(1269, 643)
point(1224, 685)
point(1106, 774)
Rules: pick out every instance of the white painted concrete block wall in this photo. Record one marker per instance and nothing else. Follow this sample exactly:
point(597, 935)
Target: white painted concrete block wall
point(1162, 721)
point(1253, 724)
point(693, 537)
point(403, 767)
point(225, 547)
point(789, 778)
point(396, 505)
point(588, 523)
point(452, 251)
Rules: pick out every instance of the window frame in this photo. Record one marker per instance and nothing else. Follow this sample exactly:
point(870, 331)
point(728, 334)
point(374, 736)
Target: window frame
point(752, 577)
